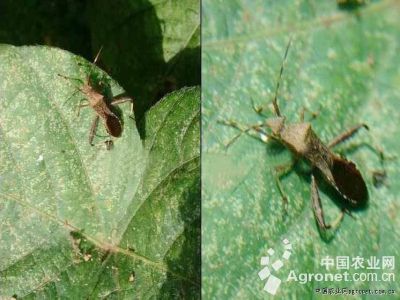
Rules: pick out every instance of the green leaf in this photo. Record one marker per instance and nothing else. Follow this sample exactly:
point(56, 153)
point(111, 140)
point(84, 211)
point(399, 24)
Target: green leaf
point(81, 222)
point(151, 47)
point(343, 64)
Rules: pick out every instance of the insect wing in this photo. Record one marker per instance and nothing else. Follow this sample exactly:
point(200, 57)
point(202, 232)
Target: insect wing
point(349, 182)
point(113, 125)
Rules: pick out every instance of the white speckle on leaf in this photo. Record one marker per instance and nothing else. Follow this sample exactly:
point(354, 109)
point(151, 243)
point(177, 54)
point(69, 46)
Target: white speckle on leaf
point(331, 53)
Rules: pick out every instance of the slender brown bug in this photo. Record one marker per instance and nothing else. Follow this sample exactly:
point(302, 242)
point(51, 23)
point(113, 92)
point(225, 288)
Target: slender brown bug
point(304, 143)
point(97, 90)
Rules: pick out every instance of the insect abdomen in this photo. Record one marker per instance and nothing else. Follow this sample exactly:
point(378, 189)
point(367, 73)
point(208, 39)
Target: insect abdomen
point(113, 125)
point(349, 182)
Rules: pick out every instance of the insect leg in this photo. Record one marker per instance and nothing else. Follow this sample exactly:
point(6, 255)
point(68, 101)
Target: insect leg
point(79, 106)
point(258, 109)
point(236, 137)
point(254, 131)
point(319, 212)
point(374, 148)
point(109, 144)
point(314, 114)
point(72, 95)
point(77, 90)
point(279, 172)
point(93, 129)
point(122, 98)
point(346, 135)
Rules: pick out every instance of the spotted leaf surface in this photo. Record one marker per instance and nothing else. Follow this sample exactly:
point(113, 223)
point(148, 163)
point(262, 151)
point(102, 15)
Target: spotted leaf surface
point(83, 222)
point(343, 64)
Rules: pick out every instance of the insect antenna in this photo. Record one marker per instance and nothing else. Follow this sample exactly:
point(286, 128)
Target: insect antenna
point(91, 67)
point(275, 101)
point(97, 55)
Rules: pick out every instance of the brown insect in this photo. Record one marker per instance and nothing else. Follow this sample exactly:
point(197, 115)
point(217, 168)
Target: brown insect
point(97, 91)
point(303, 142)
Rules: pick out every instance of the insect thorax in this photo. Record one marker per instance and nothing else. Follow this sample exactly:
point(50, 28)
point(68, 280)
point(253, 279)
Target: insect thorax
point(302, 140)
point(297, 137)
